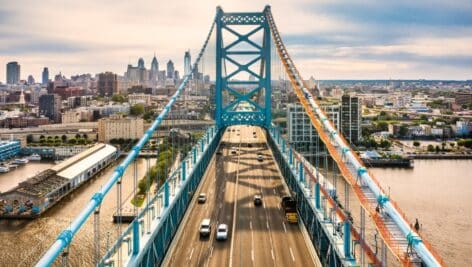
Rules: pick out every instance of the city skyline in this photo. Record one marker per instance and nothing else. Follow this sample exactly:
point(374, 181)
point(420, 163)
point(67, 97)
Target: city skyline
point(327, 39)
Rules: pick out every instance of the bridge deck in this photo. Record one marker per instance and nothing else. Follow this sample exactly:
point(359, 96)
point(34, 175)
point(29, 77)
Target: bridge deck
point(258, 236)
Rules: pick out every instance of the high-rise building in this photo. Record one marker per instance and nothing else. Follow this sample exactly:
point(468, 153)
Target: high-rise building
point(176, 75)
point(45, 76)
point(50, 106)
point(301, 133)
point(13, 72)
point(153, 73)
point(107, 84)
point(170, 69)
point(30, 79)
point(141, 63)
point(187, 63)
point(351, 118)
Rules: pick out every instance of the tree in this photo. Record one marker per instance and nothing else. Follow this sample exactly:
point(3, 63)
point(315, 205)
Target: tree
point(430, 148)
point(77, 136)
point(452, 145)
point(64, 138)
point(403, 131)
point(85, 136)
point(119, 98)
point(443, 145)
point(72, 141)
point(437, 149)
point(137, 110)
point(416, 144)
point(29, 138)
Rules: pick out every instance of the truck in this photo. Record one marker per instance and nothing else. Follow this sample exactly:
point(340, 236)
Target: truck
point(289, 205)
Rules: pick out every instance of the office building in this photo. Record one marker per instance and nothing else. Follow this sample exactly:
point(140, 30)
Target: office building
point(351, 118)
point(462, 98)
point(13, 72)
point(153, 73)
point(45, 76)
point(50, 106)
point(117, 126)
point(30, 80)
point(187, 63)
point(301, 133)
point(107, 84)
point(170, 69)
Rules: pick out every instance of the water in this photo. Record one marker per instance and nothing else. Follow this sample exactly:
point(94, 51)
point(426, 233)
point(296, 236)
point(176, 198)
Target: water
point(23, 242)
point(439, 194)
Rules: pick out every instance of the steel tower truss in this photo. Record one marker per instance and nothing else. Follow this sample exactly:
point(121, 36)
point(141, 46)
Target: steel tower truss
point(242, 100)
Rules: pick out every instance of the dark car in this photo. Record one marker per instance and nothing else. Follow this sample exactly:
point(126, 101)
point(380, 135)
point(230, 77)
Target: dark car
point(257, 200)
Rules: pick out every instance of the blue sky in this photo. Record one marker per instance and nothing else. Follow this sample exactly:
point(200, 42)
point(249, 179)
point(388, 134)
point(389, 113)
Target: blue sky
point(363, 39)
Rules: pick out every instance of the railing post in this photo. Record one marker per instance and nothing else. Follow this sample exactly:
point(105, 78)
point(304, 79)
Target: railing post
point(207, 137)
point(194, 159)
point(184, 170)
point(166, 194)
point(317, 195)
point(135, 236)
point(290, 153)
point(201, 145)
point(300, 171)
point(283, 146)
point(347, 239)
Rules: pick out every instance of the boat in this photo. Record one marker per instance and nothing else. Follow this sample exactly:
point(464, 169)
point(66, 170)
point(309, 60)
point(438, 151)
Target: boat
point(4, 169)
point(21, 161)
point(34, 157)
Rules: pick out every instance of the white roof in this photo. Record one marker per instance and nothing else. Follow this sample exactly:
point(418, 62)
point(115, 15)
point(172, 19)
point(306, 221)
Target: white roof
point(83, 165)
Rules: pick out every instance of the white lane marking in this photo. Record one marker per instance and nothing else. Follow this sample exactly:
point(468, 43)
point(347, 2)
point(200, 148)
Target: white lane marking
point(250, 225)
point(191, 253)
point(291, 254)
point(263, 205)
point(211, 251)
point(267, 223)
point(252, 254)
point(272, 253)
point(275, 192)
point(285, 228)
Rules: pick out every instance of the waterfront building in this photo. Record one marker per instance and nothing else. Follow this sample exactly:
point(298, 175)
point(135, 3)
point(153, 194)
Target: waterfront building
point(107, 84)
point(9, 149)
point(117, 127)
point(50, 106)
point(13, 72)
point(43, 190)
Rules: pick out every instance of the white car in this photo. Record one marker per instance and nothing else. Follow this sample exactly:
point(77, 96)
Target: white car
point(202, 198)
point(260, 157)
point(222, 232)
point(205, 228)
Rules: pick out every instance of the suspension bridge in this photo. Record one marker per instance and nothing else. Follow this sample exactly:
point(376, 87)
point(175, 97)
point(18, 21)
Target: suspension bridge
point(346, 217)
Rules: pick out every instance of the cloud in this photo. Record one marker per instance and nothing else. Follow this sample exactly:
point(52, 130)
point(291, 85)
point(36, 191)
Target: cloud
point(93, 36)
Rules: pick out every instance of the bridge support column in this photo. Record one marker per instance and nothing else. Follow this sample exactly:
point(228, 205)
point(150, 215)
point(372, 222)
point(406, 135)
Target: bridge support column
point(184, 170)
point(347, 239)
point(135, 237)
point(166, 194)
point(317, 195)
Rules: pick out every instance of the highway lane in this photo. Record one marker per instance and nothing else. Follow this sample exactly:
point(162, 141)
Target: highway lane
point(261, 235)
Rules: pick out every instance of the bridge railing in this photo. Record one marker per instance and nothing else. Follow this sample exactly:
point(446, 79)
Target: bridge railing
point(66, 236)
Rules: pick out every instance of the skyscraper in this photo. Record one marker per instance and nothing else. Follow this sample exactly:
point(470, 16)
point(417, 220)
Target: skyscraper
point(351, 118)
point(187, 63)
point(30, 79)
point(141, 63)
point(170, 69)
point(13, 72)
point(107, 84)
point(45, 76)
point(154, 69)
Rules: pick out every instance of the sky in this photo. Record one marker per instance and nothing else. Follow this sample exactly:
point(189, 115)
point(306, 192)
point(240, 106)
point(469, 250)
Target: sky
point(327, 39)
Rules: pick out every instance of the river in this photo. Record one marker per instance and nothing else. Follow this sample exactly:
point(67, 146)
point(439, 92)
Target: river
point(439, 194)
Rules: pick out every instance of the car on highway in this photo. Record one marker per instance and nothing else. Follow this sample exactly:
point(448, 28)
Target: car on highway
point(205, 228)
point(233, 150)
point(222, 232)
point(202, 198)
point(260, 157)
point(257, 200)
